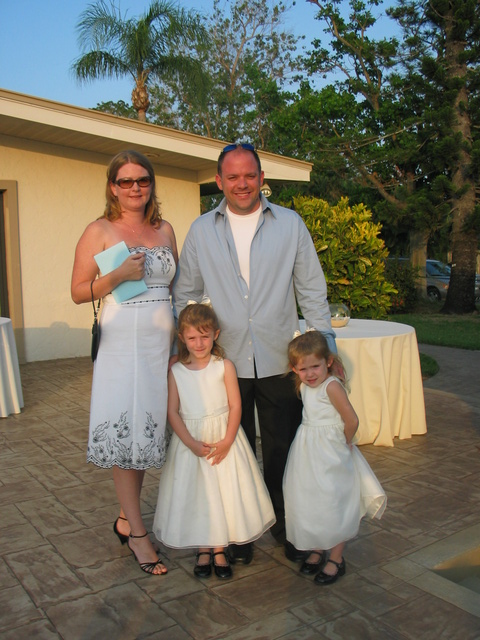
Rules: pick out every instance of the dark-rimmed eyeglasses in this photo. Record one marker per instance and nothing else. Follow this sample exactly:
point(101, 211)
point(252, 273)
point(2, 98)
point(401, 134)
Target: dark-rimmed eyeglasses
point(242, 145)
point(127, 183)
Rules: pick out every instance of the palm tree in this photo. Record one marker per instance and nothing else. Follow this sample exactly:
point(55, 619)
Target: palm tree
point(143, 47)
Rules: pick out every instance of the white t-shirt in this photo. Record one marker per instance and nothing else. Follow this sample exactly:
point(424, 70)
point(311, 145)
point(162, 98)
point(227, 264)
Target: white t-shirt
point(243, 229)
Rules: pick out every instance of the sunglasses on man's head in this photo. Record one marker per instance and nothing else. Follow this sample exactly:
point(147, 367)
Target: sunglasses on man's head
point(243, 145)
point(127, 183)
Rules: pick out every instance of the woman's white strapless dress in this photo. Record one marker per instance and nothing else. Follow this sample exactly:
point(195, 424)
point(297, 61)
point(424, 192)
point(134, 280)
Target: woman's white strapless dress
point(328, 487)
point(205, 505)
point(129, 391)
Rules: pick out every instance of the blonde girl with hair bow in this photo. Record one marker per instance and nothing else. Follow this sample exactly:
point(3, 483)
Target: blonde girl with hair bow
point(211, 491)
point(328, 485)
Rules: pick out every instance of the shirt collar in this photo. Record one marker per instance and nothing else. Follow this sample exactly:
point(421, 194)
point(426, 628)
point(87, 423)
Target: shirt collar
point(266, 206)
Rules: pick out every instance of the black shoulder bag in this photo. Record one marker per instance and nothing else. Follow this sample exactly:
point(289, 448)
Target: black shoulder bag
point(95, 327)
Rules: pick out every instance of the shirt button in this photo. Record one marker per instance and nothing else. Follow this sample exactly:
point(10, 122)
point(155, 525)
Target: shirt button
point(246, 297)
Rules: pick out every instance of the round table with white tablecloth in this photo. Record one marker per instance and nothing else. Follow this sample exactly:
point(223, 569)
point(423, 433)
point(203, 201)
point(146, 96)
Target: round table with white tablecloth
point(11, 396)
point(383, 367)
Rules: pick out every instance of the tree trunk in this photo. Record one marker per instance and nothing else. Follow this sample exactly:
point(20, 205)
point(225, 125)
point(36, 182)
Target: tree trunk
point(418, 258)
point(140, 98)
point(461, 291)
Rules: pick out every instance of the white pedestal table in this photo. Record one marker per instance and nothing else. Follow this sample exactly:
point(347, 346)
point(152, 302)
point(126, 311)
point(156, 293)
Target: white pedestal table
point(11, 396)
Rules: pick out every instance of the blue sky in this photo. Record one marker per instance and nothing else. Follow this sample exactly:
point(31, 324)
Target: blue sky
point(39, 44)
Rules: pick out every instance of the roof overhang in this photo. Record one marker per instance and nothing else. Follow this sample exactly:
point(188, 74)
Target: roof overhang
point(31, 118)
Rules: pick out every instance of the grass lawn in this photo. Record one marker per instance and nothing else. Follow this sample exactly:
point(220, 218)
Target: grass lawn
point(432, 327)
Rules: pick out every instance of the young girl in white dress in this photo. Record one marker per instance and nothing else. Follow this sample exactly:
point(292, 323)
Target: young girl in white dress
point(328, 485)
point(211, 491)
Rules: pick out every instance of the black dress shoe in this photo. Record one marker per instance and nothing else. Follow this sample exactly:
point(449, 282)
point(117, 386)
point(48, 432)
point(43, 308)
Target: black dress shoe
point(203, 570)
point(309, 568)
point(222, 570)
point(293, 554)
point(240, 553)
point(325, 578)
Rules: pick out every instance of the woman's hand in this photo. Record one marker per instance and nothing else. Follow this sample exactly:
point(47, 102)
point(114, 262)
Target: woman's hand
point(96, 237)
point(133, 267)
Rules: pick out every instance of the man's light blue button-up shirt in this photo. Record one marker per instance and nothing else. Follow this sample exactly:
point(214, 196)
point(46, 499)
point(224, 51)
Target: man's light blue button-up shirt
point(257, 323)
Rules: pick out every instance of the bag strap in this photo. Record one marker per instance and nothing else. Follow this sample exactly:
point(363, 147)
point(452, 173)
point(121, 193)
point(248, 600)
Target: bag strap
point(95, 311)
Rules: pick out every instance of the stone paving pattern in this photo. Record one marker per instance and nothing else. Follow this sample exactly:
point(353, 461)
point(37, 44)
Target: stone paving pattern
point(64, 574)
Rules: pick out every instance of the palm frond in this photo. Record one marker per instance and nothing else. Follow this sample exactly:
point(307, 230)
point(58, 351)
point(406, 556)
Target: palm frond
point(99, 26)
point(99, 64)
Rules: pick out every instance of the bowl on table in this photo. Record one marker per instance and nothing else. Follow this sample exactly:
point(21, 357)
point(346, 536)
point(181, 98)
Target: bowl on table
point(340, 314)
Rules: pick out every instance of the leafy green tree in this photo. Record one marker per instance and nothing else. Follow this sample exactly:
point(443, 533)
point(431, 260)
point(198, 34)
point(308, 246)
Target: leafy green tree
point(312, 127)
point(391, 143)
point(378, 146)
point(119, 108)
point(143, 48)
point(442, 39)
point(247, 61)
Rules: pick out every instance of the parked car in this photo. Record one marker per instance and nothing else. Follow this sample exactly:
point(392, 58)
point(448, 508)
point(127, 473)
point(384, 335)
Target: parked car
point(438, 279)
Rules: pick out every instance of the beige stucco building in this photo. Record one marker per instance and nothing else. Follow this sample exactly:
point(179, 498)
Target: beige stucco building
point(53, 159)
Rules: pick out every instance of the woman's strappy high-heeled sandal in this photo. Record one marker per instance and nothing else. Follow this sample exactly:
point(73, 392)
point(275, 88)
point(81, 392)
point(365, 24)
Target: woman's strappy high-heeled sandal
point(121, 536)
point(148, 567)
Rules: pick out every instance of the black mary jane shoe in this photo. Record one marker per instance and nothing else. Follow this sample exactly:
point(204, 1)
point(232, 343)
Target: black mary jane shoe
point(310, 568)
point(203, 570)
point(240, 553)
point(293, 554)
point(222, 570)
point(325, 578)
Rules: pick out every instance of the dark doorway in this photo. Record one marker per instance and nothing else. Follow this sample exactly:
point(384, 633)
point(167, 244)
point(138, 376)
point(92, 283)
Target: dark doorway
point(4, 308)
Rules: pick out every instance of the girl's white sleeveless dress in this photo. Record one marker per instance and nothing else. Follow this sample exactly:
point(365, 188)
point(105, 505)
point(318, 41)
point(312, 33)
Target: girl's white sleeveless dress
point(328, 487)
point(205, 505)
point(128, 410)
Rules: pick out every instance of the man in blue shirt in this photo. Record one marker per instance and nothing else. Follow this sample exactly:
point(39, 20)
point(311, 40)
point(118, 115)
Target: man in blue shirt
point(256, 261)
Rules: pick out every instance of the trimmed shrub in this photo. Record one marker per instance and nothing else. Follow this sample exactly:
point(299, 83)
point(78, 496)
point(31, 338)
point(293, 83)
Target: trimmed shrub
point(351, 253)
point(403, 277)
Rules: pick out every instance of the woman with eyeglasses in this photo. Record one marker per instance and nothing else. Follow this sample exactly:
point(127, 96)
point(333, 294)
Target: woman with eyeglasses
point(129, 389)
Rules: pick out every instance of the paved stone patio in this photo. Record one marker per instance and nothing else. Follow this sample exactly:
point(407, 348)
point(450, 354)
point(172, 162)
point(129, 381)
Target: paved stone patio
point(64, 574)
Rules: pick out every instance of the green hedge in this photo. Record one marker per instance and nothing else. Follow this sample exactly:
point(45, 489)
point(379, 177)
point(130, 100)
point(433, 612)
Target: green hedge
point(402, 275)
point(351, 254)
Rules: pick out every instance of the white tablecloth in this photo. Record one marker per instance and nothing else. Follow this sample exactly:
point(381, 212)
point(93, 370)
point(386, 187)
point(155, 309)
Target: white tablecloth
point(11, 396)
point(383, 367)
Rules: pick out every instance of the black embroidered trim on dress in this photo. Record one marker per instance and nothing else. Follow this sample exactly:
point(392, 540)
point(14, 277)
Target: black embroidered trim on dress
point(153, 286)
point(145, 301)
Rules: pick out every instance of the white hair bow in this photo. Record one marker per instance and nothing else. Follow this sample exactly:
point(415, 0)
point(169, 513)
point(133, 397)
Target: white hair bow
point(205, 300)
point(298, 333)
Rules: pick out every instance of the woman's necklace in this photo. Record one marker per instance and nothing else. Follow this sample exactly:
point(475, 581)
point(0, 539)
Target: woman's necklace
point(136, 233)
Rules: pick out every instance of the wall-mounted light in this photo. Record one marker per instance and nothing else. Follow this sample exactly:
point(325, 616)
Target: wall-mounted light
point(265, 189)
